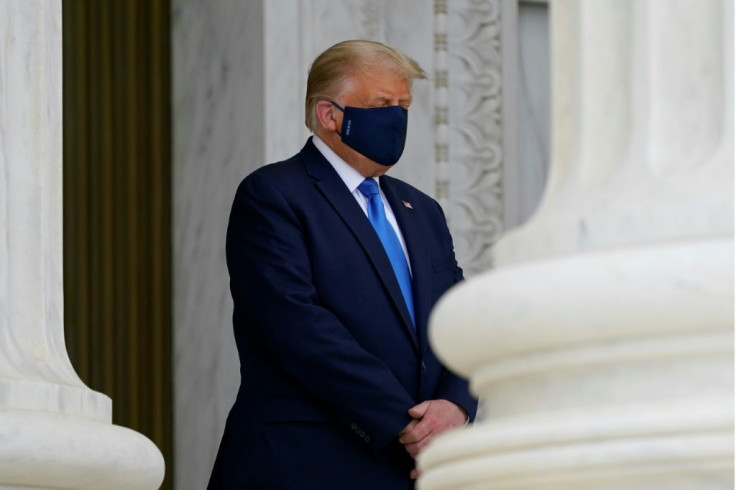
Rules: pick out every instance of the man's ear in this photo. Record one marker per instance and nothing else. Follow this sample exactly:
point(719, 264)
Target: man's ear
point(326, 115)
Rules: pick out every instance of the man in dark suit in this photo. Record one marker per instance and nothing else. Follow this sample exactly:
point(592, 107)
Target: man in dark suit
point(334, 269)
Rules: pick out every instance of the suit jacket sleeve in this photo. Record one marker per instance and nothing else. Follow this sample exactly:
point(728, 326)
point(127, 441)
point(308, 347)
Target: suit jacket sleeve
point(272, 287)
point(451, 386)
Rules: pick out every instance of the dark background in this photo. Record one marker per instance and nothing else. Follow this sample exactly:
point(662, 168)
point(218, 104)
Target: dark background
point(117, 208)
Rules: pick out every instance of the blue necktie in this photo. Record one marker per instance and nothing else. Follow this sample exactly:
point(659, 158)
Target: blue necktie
point(389, 239)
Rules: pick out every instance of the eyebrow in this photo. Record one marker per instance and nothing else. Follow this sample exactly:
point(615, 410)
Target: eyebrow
point(384, 97)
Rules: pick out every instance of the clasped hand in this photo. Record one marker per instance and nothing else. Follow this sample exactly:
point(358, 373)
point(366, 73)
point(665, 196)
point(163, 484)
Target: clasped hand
point(430, 418)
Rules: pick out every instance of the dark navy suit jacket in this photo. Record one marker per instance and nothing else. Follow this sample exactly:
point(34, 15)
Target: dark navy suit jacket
point(330, 362)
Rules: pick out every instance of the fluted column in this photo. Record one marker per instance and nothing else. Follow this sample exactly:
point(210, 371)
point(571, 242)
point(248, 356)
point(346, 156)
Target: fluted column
point(55, 432)
point(602, 345)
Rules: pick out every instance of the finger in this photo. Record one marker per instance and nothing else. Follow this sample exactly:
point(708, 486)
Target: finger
point(409, 427)
point(418, 411)
point(415, 448)
point(443, 415)
point(414, 474)
point(416, 433)
point(412, 449)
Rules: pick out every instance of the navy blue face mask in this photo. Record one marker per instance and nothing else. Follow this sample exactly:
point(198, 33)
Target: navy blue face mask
point(377, 133)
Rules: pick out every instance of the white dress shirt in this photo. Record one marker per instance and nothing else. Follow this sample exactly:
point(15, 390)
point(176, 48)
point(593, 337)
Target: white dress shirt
point(352, 179)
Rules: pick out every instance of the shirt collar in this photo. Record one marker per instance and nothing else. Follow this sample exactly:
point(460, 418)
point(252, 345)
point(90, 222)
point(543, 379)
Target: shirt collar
point(348, 174)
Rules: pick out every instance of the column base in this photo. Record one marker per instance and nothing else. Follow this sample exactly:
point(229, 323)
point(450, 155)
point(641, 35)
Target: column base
point(605, 370)
point(635, 447)
point(54, 451)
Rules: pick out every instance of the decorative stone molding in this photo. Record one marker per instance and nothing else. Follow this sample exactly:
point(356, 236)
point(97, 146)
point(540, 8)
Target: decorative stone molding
point(468, 135)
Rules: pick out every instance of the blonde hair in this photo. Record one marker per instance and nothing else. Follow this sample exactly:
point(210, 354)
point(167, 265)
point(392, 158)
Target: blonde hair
point(331, 70)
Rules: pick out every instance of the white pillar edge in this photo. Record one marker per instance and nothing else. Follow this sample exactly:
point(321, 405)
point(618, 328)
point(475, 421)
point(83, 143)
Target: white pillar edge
point(54, 431)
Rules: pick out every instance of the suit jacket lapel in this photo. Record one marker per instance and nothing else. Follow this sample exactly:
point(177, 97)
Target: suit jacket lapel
point(418, 255)
point(333, 188)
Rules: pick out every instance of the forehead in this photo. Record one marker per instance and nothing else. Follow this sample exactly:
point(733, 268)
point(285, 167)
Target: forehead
point(378, 84)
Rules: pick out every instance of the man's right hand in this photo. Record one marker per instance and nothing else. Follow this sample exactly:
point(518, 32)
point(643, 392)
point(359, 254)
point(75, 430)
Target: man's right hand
point(431, 417)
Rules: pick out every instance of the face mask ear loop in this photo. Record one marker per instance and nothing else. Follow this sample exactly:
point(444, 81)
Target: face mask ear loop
point(341, 110)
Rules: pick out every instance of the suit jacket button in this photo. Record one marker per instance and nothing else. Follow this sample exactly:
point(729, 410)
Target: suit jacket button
point(424, 366)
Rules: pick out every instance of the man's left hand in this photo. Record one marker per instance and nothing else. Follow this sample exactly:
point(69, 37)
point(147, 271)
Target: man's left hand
point(431, 417)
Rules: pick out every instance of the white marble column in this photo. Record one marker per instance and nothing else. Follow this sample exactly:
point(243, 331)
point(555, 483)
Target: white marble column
point(54, 431)
point(602, 345)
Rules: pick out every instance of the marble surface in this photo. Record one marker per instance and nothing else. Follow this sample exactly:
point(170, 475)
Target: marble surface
point(55, 431)
point(469, 108)
point(601, 346)
point(44, 451)
point(218, 138)
point(605, 370)
point(31, 301)
point(35, 371)
point(629, 174)
point(534, 112)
